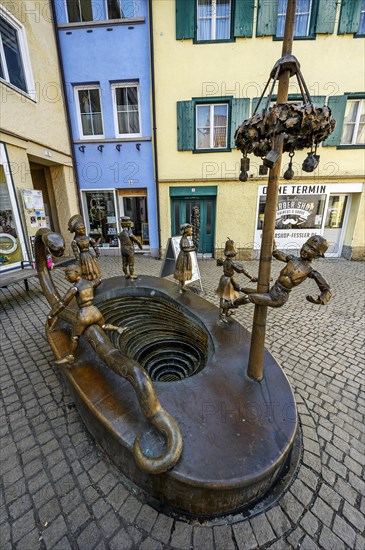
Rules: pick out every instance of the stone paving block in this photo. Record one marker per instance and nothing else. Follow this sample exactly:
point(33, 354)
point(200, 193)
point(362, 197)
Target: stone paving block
point(355, 517)
point(89, 537)
point(109, 524)
point(262, 529)
point(223, 537)
point(146, 518)
point(345, 490)
point(291, 507)
point(121, 541)
point(278, 520)
point(23, 525)
point(100, 508)
point(107, 483)
point(330, 496)
point(330, 541)
point(49, 511)
point(322, 511)
point(162, 528)
point(344, 531)
point(150, 544)
point(78, 518)
point(54, 532)
point(301, 492)
point(130, 509)
point(135, 535)
point(63, 544)
point(30, 540)
point(296, 537)
point(310, 523)
point(203, 538)
point(309, 544)
point(20, 506)
point(181, 535)
point(244, 536)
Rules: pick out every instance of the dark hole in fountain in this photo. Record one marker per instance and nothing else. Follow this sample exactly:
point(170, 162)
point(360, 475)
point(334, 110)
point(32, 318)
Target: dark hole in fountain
point(167, 342)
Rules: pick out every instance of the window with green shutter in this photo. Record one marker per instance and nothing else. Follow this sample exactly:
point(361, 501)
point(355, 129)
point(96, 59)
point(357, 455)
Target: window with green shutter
point(208, 124)
point(214, 20)
point(312, 17)
point(349, 112)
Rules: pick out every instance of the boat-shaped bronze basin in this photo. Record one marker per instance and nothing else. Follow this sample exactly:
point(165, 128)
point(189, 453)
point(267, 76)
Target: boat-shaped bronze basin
point(237, 433)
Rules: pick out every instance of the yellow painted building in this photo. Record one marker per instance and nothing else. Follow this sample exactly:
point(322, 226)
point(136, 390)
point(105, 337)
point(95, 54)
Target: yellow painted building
point(37, 187)
point(212, 60)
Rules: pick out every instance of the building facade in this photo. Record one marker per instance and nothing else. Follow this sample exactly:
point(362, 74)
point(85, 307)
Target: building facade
point(37, 187)
point(212, 61)
point(105, 54)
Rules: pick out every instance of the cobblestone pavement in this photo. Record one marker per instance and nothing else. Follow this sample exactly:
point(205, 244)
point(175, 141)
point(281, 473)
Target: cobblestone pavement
point(60, 491)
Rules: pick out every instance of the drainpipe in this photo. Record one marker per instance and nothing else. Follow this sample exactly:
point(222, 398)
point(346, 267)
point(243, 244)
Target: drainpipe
point(70, 137)
point(154, 129)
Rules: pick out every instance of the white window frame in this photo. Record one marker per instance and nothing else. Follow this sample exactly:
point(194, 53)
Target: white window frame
point(79, 22)
point(356, 122)
point(79, 117)
point(211, 133)
point(214, 21)
point(296, 13)
point(15, 210)
point(24, 54)
point(115, 112)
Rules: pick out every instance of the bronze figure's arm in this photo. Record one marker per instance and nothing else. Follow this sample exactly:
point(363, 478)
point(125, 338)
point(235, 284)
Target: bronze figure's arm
point(95, 246)
point(323, 286)
point(136, 240)
point(279, 255)
point(61, 304)
point(75, 249)
point(240, 269)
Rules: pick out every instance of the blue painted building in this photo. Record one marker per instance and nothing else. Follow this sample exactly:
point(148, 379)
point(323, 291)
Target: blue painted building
point(105, 56)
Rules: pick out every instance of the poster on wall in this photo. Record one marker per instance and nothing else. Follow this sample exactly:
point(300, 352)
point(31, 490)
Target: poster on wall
point(299, 214)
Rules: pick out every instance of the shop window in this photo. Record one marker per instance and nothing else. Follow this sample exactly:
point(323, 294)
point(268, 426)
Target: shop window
point(12, 246)
point(296, 212)
point(353, 132)
point(89, 112)
point(214, 20)
point(203, 126)
point(126, 110)
point(14, 63)
point(136, 209)
point(101, 217)
point(336, 211)
point(302, 18)
point(211, 126)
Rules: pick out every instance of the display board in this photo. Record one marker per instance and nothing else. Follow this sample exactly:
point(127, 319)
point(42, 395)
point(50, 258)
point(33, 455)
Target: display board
point(34, 212)
point(169, 260)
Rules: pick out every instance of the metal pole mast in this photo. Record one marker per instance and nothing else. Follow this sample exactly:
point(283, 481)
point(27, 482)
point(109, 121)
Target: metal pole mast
point(256, 358)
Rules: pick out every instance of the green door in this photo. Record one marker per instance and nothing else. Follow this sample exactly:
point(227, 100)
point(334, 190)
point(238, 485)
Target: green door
point(181, 212)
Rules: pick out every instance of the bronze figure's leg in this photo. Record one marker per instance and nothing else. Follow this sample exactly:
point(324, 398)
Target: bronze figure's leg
point(125, 265)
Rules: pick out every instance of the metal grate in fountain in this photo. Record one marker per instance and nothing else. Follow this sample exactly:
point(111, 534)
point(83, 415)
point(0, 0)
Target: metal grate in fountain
point(170, 345)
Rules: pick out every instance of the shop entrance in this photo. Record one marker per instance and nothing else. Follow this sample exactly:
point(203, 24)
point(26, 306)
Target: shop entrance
point(134, 205)
point(335, 224)
point(181, 212)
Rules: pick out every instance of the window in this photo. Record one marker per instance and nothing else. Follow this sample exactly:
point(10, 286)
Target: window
point(12, 54)
point(353, 132)
point(79, 10)
point(213, 20)
point(126, 110)
point(211, 126)
point(302, 18)
point(101, 218)
point(361, 31)
point(89, 110)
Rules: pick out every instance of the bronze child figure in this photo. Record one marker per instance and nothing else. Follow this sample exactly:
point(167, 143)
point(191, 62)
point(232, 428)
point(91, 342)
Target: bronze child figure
point(81, 249)
point(292, 275)
point(183, 268)
point(87, 314)
point(229, 287)
point(127, 240)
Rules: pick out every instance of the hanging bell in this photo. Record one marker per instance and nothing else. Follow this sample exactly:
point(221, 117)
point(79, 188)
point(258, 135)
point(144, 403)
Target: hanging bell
point(289, 172)
point(243, 176)
point(271, 158)
point(245, 164)
point(311, 162)
point(263, 170)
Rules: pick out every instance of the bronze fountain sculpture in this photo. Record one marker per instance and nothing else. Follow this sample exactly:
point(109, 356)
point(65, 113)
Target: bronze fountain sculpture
point(232, 417)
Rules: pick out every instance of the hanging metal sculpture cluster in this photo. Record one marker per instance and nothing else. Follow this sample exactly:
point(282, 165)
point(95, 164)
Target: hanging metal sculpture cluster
point(303, 125)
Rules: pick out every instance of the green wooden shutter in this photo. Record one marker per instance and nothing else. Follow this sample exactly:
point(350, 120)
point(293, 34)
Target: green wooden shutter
point(185, 19)
point(255, 101)
point(338, 106)
point(243, 18)
point(349, 17)
point(267, 17)
point(240, 111)
point(318, 100)
point(326, 16)
point(185, 126)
